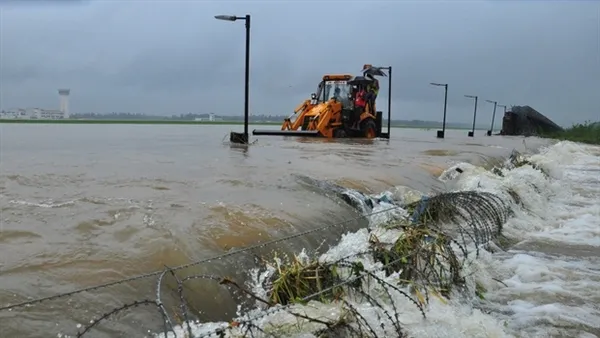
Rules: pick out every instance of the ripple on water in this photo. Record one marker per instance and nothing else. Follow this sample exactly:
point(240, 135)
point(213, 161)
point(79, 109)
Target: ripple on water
point(7, 236)
point(549, 247)
point(236, 183)
point(43, 204)
point(440, 152)
point(46, 180)
point(239, 226)
point(433, 169)
point(355, 184)
point(368, 185)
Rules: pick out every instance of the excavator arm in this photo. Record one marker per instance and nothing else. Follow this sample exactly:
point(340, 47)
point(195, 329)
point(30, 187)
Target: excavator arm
point(324, 122)
point(290, 128)
point(301, 110)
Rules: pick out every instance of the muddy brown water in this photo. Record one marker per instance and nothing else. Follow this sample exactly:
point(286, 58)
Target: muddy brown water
point(82, 205)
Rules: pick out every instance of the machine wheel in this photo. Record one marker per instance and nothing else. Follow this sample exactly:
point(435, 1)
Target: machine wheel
point(340, 133)
point(369, 129)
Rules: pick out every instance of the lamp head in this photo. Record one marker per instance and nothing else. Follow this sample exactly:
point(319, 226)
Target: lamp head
point(226, 17)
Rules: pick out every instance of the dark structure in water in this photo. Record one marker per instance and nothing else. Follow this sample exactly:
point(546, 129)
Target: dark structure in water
point(524, 120)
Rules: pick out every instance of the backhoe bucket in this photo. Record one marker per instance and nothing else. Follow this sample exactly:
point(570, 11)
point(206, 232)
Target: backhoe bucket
point(308, 133)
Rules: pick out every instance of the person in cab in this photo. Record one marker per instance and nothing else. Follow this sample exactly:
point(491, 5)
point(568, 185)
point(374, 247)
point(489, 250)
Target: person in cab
point(372, 92)
point(359, 106)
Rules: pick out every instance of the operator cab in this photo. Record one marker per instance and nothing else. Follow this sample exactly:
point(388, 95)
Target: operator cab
point(334, 86)
point(338, 90)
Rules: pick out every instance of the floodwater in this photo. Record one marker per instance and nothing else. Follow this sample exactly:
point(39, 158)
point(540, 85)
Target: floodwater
point(82, 205)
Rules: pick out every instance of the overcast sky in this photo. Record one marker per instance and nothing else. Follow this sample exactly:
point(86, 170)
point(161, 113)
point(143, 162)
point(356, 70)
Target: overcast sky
point(165, 57)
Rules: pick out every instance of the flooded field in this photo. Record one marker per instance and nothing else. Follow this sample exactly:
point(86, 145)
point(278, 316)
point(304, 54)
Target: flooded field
point(82, 205)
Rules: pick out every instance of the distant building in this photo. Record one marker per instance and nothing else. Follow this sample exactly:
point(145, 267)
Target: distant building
point(32, 113)
point(213, 118)
point(64, 102)
point(13, 113)
point(39, 113)
point(50, 114)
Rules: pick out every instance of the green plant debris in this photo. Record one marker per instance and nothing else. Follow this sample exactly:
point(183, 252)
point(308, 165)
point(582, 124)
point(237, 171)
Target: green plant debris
point(521, 163)
point(297, 279)
point(422, 256)
point(480, 290)
point(497, 171)
point(505, 242)
point(515, 196)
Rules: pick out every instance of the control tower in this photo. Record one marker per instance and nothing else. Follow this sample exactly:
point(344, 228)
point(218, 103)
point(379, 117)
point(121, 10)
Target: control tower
point(64, 101)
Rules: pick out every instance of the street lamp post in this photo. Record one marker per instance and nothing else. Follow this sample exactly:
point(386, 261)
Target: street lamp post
point(237, 137)
point(472, 133)
point(503, 106)
point(489, 132)
point(442, 133)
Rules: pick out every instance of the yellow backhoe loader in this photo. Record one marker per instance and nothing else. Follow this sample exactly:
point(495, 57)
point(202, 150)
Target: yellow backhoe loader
point(331, 111)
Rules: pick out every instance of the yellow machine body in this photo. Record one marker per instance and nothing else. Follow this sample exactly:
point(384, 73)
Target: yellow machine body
point(330, 112)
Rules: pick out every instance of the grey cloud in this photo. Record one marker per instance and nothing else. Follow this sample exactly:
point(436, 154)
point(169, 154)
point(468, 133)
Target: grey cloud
point(167, 57)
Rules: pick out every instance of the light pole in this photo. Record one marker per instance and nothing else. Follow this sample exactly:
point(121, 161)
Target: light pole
point(489, 132)
point(503, 106)
point(441, 133)
point(237, 137)
point(472, 133)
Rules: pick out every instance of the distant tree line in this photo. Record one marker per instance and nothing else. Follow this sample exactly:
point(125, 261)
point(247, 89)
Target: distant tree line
point(240, 118)
point(178, 117)
point(115, 116)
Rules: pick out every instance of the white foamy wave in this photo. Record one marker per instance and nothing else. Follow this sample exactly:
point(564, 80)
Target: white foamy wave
point(546, 286)
point(48, 204)
point(552, 283)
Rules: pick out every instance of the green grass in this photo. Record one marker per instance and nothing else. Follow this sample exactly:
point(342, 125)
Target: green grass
point(433, 128)
point(587, 132)
point(183, 122)
point(132, 121)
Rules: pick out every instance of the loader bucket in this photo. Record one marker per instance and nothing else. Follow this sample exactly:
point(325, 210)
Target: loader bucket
point(308, 133)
